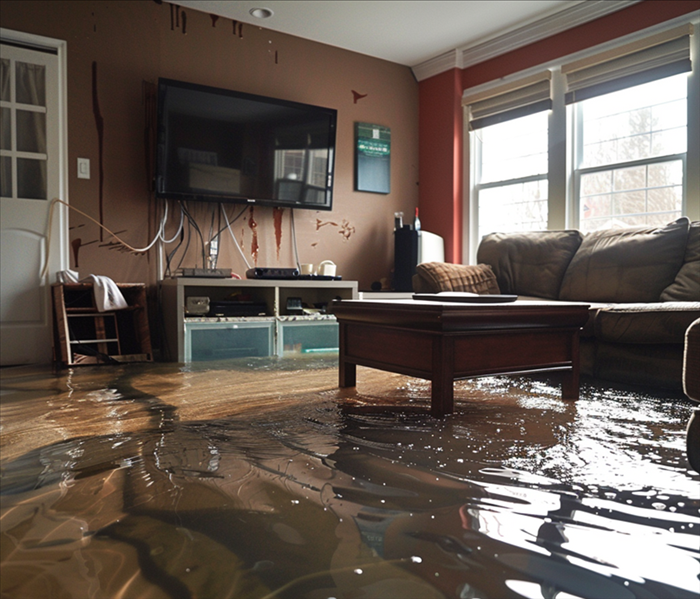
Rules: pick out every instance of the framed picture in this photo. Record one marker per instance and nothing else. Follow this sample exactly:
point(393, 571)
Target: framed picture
point(372, 158)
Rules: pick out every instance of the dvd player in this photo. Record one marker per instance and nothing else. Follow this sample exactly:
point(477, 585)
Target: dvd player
point(272, 273)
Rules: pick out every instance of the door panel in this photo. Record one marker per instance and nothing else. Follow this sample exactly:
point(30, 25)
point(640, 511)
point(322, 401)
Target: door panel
point(31, 164)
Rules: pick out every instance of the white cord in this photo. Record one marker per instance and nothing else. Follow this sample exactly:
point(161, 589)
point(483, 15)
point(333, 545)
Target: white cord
point(235, 241)
point(162, 225)
point(160, 234)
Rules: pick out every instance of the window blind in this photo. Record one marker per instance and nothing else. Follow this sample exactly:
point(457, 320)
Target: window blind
point(509, 101)
point(655, 57)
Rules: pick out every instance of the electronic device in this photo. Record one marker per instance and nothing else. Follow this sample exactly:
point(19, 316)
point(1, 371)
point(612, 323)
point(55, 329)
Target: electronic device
point(411, 248)
point(220, 145)
point(235, 308)
point(216, 273)
point(272, 273)
point(197, 305)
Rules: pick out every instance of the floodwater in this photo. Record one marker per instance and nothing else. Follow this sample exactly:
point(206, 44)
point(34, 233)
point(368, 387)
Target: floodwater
point(261, 479)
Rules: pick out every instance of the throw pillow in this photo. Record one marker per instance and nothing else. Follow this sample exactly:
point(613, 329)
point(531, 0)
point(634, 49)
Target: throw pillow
point(433, 277)
point(626, 265)
point(686, 287)
point(531, 263)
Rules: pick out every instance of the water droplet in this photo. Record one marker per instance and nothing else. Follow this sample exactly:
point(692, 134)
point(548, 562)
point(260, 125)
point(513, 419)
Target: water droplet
point(416, 560)
point(358, 570)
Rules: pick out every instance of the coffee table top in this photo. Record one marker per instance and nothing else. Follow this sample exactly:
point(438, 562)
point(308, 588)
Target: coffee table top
point(455, 316)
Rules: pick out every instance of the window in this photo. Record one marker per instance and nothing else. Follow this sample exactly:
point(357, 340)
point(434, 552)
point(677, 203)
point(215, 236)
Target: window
point(602, 141)
point(631, 154)
point(511, 175)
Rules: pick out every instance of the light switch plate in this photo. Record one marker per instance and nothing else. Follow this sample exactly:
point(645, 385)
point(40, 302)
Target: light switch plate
point(83, 168)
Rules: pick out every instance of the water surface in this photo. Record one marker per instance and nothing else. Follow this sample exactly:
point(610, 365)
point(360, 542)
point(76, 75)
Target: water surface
point(261, 479)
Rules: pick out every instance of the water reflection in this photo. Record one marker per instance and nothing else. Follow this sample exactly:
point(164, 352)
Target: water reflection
point(279, 492)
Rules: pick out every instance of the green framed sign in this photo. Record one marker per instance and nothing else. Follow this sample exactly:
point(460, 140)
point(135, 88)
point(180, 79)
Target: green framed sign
point(372, 158)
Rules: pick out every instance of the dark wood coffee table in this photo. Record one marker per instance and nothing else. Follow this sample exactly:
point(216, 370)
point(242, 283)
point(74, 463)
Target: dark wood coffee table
point(442, 342)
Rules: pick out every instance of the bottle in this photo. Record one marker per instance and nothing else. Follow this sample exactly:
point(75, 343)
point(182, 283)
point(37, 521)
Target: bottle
point(416, 221)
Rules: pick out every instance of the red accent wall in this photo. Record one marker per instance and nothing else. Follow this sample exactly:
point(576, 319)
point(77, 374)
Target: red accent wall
point(440, 131)
point(440, 170)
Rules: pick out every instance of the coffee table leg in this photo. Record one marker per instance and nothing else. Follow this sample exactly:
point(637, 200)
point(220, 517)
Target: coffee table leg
point(347, 374)
point(442, 387)
point(347, 371)
point(570, 384)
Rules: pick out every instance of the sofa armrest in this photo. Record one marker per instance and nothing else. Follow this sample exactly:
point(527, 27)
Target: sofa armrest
point(691, 361)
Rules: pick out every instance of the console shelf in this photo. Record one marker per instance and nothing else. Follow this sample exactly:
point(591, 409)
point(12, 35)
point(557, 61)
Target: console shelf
point(277, 329)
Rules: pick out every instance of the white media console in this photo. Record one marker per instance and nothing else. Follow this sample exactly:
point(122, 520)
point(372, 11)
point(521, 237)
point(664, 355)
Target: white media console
point(279, 330)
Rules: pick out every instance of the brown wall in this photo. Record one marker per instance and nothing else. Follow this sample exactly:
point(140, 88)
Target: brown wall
point(132, 43)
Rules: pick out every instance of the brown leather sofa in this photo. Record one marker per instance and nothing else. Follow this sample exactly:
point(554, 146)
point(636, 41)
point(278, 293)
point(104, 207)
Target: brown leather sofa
point(643, 285)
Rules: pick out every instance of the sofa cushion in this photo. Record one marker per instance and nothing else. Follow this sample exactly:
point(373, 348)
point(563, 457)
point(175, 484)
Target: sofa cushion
point(433, 277)
point(686, 286)
point(626, 265)
point(662, 322)
point(530, 263)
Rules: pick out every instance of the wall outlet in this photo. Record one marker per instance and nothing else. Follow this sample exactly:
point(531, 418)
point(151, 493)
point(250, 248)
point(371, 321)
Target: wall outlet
point(83, 168)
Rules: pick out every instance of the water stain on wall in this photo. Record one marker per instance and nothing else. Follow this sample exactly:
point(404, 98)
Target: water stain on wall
point(277, 214)
point(344, 228)
point(75, 244)
point(214, 19)
point(320, 223)
point(357, 96)
point(253, 225)
point(100, 125)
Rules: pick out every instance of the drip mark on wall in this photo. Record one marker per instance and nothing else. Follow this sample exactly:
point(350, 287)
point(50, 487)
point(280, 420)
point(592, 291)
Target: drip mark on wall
point(99, 123)
point(75, 244)
point(357, 96)
point(277, 214)
point(254, 247)
point(320, 223)
point(214, 19)
point(175, 19)
point(276, 58)
point(345, 228)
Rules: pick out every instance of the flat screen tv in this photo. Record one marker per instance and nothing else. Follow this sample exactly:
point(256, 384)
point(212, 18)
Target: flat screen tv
point(218, 145)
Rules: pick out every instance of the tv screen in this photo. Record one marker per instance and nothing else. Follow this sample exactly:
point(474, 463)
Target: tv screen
point(219, 145)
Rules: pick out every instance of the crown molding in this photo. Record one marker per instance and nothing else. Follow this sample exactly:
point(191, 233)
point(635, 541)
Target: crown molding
point(460, 58)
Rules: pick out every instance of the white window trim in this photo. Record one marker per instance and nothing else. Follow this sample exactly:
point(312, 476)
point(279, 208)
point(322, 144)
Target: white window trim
point(563, 201)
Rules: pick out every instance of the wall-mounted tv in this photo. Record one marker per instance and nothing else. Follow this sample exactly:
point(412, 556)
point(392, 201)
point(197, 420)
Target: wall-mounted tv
point(218, 145)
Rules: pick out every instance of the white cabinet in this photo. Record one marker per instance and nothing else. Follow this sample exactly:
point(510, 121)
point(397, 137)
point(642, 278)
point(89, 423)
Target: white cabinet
point(282, 317)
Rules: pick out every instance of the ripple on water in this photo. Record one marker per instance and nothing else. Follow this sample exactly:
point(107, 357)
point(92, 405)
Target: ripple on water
point(518, 492)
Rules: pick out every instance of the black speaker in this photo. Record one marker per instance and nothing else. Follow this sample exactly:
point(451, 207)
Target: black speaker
point(405, 257)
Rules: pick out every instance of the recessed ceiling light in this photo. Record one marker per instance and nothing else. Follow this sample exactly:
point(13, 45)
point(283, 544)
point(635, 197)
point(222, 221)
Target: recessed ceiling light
point(261, 13)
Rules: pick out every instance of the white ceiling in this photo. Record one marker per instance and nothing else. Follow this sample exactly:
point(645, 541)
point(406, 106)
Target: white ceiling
point(404, 32)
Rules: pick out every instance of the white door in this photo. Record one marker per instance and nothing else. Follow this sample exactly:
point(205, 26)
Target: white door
point(31, 164)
